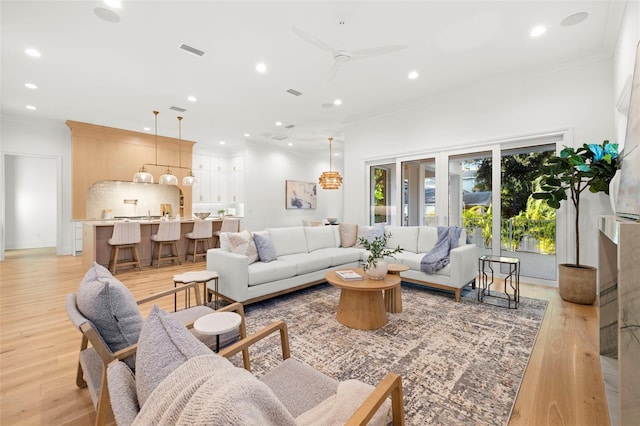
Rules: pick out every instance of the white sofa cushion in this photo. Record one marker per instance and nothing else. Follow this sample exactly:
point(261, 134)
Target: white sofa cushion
point(340, 256)
point(319, 237)
point(288, 240)
point(428, 237)
point(260, 272)
point(403, 236)
point(412, 260)
point(307, 262)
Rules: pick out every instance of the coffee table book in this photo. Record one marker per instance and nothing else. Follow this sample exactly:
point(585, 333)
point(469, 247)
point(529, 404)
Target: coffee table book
point(349, 275)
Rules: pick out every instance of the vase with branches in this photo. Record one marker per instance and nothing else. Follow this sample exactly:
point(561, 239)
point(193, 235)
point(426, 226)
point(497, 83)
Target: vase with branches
point(375, 266)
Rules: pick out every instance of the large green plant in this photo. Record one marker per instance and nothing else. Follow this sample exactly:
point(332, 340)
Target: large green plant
point(590, 166)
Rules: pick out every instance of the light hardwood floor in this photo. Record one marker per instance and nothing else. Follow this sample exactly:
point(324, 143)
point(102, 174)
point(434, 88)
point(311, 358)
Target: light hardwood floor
point(39, 347)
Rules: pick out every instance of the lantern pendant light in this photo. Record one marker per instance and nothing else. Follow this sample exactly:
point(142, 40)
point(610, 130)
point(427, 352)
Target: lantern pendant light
point(330, 179)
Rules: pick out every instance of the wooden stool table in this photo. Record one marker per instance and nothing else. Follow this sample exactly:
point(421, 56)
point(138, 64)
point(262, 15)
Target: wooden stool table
point(393, 296)
point(361, 305)
point(200, 277)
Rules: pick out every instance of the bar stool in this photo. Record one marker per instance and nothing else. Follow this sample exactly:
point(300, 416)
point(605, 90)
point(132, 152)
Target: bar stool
point(202, 232)
point(126, 235)
point(168, 234)
point(229, 224)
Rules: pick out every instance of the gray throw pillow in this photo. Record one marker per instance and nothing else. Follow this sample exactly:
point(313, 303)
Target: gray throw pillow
point(164, 345)
point(112, 310)
point(266, 249)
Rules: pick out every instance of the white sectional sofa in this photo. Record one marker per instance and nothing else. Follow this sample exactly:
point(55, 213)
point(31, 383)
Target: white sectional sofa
point(305, 254)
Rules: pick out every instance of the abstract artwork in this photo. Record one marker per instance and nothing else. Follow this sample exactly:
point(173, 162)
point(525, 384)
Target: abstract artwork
point(300, 195)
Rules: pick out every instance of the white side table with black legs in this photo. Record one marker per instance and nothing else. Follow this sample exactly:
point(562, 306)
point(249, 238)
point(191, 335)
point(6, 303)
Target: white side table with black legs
point(217, 323)
point(200, 277)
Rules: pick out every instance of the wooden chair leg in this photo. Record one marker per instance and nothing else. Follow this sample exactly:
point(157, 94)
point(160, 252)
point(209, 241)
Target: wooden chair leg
point(114, 267)
point(104, 405)
point(174, 246)
point(136, 257)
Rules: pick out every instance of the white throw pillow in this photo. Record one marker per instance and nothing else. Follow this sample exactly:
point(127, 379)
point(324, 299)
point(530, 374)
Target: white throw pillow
point(242, 243)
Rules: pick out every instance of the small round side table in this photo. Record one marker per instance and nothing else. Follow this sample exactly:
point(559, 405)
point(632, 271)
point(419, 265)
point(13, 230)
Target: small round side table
point(393, 296)
point(217, 323)
point(200, 277)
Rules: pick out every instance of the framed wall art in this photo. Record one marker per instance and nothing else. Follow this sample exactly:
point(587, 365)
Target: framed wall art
point(301, 195)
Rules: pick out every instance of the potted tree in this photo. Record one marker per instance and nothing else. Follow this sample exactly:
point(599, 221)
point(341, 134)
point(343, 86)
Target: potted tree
point(591, 166)
point(375, 266)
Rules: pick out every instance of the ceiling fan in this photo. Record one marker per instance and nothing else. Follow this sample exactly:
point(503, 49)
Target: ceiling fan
point(341, 56)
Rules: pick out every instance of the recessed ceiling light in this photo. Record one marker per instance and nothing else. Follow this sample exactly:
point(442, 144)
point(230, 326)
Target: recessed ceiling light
point(33, 52)
point(574, 19)
point(246, 135)
point(113, 3)
point(261, 68)
point(278, 123)
point(222, 142)
point(147, 129)
point(290, 144)
point(337, 102)
point(31, 107)
point(335, 154)
point(538, 31)
point(192, 99)
point(106, 15)
point(413, 75)
point(30, 86)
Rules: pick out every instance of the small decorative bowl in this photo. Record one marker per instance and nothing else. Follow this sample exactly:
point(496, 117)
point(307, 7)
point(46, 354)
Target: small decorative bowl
point(332, 220)
point(202, 215)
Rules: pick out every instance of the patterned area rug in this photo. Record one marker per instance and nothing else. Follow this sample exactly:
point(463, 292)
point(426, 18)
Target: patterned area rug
point(460, 363)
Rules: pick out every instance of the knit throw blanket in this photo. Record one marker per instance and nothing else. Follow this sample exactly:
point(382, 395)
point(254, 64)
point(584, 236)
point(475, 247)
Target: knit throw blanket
point(438, 257)
point(209, 390)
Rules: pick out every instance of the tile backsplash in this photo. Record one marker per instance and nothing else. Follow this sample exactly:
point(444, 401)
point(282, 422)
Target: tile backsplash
point(120, 198)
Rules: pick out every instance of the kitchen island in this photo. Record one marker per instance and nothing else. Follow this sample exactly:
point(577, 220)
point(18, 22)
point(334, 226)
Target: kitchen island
point(96, 233)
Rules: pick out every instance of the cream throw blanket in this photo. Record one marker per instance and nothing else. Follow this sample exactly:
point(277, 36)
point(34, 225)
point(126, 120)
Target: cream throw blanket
point(209, 390)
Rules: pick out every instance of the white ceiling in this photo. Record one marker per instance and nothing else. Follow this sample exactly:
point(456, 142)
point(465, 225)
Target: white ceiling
point(116, 74)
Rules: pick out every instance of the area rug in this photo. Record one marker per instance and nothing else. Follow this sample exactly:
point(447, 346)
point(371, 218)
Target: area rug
point(460, 363)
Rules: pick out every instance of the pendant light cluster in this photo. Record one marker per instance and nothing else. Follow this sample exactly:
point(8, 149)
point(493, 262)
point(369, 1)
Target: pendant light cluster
point(330, 179)
point(168, 178)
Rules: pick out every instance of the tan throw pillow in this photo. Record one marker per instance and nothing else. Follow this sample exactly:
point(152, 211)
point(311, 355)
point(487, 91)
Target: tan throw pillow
point(348, 234)
point(242, 243)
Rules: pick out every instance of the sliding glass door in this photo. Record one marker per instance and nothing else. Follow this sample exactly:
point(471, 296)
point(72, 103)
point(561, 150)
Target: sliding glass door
point(419, 192)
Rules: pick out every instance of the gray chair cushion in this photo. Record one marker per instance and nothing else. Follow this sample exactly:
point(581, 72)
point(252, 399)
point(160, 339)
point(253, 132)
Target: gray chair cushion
point(163, 346)
point(110, 307)
point(122, 392)
point(298, 386)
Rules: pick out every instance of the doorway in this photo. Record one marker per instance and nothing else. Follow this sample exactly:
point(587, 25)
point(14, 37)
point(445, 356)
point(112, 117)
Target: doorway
point(31, 208)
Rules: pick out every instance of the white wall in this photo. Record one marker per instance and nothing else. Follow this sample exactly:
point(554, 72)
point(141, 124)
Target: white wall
point(31, 136)
point(266, 170)
point(623, 63)
point(578, 97)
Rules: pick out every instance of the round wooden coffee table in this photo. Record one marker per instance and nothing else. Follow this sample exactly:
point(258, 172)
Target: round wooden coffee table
point(361, 305)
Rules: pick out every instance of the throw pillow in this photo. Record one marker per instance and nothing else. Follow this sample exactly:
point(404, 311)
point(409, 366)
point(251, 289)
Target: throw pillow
point(242, 243)
point(348, 234)
point(112, 310)
point(164, 345)
point(95, 272)
point(369, 233)
point(266, 249)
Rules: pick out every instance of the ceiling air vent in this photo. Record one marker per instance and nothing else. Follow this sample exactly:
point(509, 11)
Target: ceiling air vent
point(294, 92)
point(279, 137)
point(175, 108)
point(191, 50)
point(289, 126)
